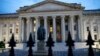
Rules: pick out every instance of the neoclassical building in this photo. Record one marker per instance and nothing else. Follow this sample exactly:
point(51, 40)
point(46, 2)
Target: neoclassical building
point(57, 17)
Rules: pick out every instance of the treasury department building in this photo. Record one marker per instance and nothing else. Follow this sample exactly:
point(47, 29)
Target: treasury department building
point(57, 17)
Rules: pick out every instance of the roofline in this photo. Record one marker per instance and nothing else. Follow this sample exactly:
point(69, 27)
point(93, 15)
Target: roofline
point(9, 14)
point(74, 5)
point(91, 12)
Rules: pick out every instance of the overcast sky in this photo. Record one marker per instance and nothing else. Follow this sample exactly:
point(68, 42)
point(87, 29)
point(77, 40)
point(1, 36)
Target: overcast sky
point(10, 6)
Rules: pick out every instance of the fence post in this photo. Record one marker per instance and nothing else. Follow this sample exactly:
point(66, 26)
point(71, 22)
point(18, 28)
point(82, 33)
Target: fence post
point(30, 43)
point(90, 42)
point(50, 43)
point(12, 44)
point(70, 44)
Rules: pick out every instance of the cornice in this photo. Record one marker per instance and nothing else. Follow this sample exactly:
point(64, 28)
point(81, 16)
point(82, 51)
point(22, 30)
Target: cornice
point(9, 15)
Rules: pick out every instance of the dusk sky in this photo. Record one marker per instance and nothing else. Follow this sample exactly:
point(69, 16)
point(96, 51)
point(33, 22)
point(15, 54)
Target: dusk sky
point(10, 6)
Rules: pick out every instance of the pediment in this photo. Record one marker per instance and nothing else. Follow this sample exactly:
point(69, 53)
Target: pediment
point(50, 6)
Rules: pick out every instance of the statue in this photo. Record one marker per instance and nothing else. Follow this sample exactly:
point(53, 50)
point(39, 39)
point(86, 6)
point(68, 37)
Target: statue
point(41, 49)
point(41, 33)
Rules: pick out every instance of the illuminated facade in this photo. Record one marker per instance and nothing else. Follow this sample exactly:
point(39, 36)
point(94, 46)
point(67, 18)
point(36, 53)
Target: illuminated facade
point(56, 16)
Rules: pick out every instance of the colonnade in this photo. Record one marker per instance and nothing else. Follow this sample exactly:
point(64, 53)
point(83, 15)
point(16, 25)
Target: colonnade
point(27, 26)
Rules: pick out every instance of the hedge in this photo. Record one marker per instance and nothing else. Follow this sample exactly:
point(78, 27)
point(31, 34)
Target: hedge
point(2, 44)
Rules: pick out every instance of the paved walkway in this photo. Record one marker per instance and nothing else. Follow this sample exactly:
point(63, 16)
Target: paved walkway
point(81, 52)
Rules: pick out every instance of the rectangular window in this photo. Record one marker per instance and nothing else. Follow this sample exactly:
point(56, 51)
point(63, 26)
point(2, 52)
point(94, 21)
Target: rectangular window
point(95, 37)
point(75, 27)
point(87, 28)
point(66, 27)
point(76, 18)
point(4, 29)
point(11, 31)
point(16, 30)
point(95, 28)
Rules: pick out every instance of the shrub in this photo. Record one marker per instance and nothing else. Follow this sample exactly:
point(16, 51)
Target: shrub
point(2, 44)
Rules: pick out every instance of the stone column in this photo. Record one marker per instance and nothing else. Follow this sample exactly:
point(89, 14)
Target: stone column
point(85, 30)
point(8, 33)
point(7, 39)
point(72, 26)
point(20, 29)
point(63, 27)
point(36, 28)
point(14, 30)
point(81, 27)
point(98, 24)
point(45, 26)
point(1, 37)
point(28, 27)
point(24, 30)
point(54, 27)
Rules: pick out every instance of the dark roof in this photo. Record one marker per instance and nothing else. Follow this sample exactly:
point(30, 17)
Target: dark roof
point(93, 11)
point(9, 15)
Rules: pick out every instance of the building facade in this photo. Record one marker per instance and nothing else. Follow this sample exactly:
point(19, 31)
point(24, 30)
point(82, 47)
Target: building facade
point(57, 17)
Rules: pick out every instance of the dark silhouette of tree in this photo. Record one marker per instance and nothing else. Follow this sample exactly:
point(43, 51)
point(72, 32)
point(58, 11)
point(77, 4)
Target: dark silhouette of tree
point(70, 43)
point(50, 43)
point(12, 44)
point(90, 42)
point(30, 43)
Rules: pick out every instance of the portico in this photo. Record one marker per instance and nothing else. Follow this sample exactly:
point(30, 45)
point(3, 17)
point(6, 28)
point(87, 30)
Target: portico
point(58, 24)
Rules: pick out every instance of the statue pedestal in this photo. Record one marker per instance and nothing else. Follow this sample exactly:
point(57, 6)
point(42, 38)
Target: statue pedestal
point(41, 51)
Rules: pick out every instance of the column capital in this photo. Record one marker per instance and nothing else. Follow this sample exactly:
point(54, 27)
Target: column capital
point(36, 16)
point(71, 16)
point(62, 16)
point(45, 17)
point(53, 17)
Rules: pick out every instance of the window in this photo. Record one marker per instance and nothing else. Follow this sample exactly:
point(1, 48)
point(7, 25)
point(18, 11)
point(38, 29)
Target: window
point(95, 37)
point(11, 31)
point(16, 30)
point(76, 18)
point(66, 27)
point(75, 27)
point(95, 28)
point(87, 28)
point(10, 25)
point(4, 29)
